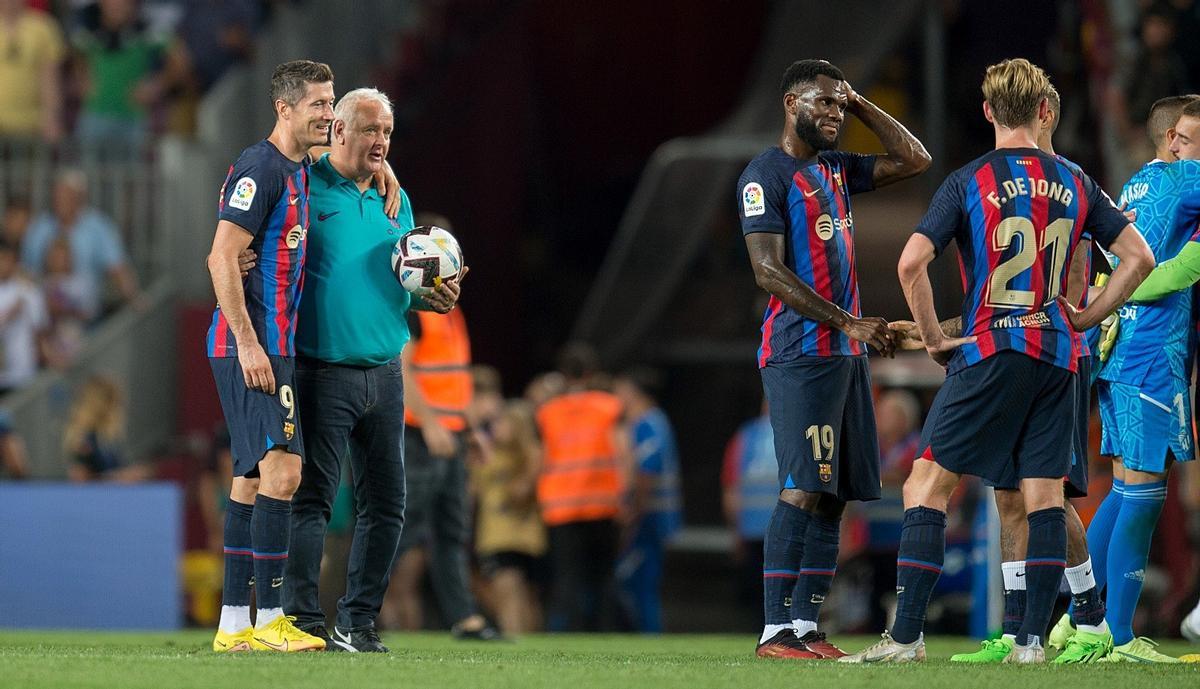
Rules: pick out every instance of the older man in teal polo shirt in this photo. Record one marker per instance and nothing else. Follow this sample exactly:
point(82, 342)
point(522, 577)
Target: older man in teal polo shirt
point(351, 329)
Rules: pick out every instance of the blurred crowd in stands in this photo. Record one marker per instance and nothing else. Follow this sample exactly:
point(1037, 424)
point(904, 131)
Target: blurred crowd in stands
point(110, 74)
point(87, 78)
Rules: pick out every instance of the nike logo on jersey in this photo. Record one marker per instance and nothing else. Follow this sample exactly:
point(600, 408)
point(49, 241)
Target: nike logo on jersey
point(810, 194)
point(293, 199)
point(325, 216)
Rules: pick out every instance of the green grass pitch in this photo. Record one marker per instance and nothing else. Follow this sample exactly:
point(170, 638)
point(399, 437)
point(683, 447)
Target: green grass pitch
point(32, 660)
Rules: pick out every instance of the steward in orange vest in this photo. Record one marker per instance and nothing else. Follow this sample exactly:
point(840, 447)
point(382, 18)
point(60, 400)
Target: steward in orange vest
point(441, 370)
point(580, 491)
point(437, 391)
point(580, 478)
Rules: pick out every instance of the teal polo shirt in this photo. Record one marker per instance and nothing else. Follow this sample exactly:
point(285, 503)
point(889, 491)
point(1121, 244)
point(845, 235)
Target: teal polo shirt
point(353, 310)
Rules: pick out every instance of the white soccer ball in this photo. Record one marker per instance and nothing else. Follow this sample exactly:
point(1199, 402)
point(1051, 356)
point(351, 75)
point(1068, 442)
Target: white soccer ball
point(424, 258)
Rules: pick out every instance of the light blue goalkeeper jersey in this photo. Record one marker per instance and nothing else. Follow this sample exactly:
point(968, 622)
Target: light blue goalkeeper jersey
point(1156, 337)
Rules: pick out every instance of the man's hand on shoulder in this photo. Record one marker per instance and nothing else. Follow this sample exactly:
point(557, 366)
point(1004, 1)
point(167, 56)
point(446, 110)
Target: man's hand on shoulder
point(389, 188)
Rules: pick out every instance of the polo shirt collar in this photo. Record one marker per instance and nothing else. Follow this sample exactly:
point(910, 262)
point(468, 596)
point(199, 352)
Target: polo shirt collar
point(329, 173)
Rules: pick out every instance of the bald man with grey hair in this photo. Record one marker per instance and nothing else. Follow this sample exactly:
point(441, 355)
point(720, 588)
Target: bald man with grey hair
point(352, 326)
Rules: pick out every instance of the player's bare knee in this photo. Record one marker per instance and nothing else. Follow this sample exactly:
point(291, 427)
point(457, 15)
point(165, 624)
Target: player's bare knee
point(800, 498)
point(243, 490)
point(1135, 477)
point(1041, 494)
point(1011, 506)
point(929, 485)
point(280, 475)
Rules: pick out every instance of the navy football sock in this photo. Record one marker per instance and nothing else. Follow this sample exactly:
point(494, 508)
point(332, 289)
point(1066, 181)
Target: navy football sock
point(270, 528)
point(1014, 596)
point(239, 555)
point(918, 566)
point(1087, 605)
point(783, 548)
point(816, 567)
point(1045, 560)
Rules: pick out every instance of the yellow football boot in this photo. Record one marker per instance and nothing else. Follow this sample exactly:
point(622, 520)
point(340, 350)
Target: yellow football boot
point(282, 635)
point(233, 643)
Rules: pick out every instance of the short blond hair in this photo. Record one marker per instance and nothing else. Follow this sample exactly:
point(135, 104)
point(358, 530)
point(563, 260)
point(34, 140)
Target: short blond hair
point(1055, 103)
point(1014, 89)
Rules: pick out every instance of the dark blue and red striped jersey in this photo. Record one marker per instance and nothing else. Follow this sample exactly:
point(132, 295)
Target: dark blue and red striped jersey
point(266, 194)
point(808, 202)
point(1085, 246)
point(1017, 215)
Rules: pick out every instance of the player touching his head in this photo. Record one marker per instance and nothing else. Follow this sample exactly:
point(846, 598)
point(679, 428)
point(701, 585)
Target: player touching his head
point(1145, 410)
point(794, 203)
point(264, 207)
point(1016, 214)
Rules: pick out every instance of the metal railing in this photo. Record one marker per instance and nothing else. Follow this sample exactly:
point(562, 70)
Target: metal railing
point(124, 185)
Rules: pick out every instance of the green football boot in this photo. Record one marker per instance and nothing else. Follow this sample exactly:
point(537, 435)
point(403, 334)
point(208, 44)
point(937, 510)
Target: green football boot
point(1140, 650)
point(1086, 647)
point(1061, 633)
point(990, 651)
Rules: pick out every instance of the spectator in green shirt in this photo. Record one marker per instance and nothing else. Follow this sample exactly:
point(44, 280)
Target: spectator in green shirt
point(117, 65)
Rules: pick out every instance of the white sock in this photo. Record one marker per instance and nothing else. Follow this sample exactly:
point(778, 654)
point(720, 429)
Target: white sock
point(771, 630)
point(1080, 577)
point(1010, 637)
point(267, 616)
point(1014, 575)
point(1101, 628)
point(234, 618)
point(803, 627)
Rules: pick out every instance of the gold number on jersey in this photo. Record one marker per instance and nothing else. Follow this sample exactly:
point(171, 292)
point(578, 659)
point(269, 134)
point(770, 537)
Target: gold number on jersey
point(287, 399)
point(1056, 238)
point(821, 437)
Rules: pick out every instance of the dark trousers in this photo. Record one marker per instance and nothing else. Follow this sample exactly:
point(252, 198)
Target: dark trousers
point(438, 518)
point(357, 412)
point(582, 556)
point(639, 575)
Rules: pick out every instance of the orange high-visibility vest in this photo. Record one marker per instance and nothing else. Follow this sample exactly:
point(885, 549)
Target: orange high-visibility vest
point(441, 361)
point(580, 479)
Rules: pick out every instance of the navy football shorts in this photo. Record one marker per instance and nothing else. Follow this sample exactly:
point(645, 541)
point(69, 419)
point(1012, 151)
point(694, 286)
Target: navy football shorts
point(1006, 418)
point(823, 418)
point(258, 422)
point(1077, 477)
point(1076, 483)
